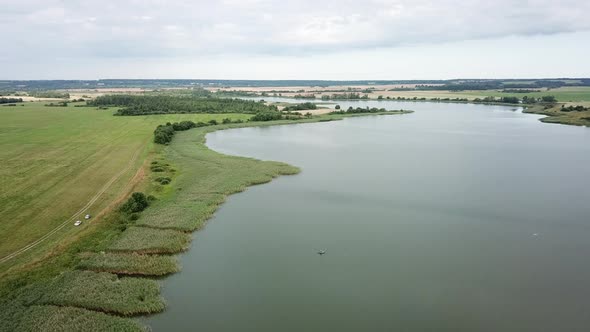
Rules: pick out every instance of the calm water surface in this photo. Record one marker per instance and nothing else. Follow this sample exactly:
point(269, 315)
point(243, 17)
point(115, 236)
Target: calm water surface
point(454, 218)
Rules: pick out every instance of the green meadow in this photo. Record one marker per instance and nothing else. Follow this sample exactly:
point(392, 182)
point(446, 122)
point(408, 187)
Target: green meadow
point(59, 163)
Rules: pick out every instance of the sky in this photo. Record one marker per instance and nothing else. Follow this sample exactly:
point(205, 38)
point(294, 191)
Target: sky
point(284, 39)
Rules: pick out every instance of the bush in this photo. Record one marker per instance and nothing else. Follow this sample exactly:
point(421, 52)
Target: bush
point(163, 180)
point(136, 203)
point(266, 116)
point(157, 168)
point(300, 107)
point(163, 134)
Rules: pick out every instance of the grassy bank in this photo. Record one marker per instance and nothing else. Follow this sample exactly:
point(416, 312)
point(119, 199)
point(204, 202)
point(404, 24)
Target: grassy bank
point(97, 272)
point(555, 114)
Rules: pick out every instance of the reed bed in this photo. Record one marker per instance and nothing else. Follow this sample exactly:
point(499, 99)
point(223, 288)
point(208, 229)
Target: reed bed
point(104, 292)
point(130, 264)
point(49, 318)
point(145, 240)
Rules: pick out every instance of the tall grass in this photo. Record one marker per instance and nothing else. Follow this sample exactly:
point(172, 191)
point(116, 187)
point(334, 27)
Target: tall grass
point(129, 264)
point(145, 240)
point(104, 292)
point(47, 318)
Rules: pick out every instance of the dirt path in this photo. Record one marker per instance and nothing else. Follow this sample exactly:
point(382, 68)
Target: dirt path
point(75, 215)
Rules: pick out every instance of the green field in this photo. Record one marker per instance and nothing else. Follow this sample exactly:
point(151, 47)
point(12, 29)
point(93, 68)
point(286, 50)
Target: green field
point(565, 94)
point(56, 160)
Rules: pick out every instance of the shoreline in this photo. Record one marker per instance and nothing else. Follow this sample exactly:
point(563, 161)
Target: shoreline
point(115, 268)
point(552, 114)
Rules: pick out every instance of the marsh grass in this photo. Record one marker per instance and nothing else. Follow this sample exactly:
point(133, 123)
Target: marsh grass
point(145, 240)
point(49, 318)
point(103, 292)
point(207, 178)
point(130, 264)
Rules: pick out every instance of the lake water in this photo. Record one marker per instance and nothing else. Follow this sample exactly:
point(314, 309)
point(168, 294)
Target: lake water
point(454, 218)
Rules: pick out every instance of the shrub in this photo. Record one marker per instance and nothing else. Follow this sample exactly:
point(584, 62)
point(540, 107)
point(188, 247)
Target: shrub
point(163, 180)
point(266, 116)
point(157, 168)
point(300, 107)
point(136, 203)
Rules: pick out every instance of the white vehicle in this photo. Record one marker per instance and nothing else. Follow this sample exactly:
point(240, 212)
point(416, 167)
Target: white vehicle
point(77, 223)
point(87, 217)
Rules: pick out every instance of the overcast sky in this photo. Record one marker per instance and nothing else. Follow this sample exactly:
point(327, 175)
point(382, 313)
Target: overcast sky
point(304, 39)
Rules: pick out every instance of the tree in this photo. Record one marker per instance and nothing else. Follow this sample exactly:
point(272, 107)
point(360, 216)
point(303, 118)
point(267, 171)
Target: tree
point(136, 203)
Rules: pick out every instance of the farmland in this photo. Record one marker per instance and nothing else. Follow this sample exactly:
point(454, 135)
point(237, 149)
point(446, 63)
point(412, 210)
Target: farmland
point(56, 160)
point(562, 94)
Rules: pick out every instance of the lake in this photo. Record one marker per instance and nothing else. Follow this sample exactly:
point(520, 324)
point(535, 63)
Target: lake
point(457, 217)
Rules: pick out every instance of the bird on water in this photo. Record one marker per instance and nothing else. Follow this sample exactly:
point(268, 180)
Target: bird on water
point(321, 252)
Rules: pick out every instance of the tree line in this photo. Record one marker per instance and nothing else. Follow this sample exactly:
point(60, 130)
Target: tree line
point(571, 108)
point(145, 105)
point(347, 96)
point(516, 100)
point(300, 107)
point(10, 100)
point(164, 133)
point(352, 110)
point(49, 94)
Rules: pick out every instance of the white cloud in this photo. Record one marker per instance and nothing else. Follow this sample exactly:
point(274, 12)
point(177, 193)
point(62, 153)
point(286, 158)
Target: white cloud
point(161, 29)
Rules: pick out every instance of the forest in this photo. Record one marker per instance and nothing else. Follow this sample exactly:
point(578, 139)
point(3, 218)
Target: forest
point(144, 105)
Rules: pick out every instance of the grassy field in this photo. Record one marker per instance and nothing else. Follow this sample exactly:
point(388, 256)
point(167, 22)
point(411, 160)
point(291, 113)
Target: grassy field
point(564, 94)
point(79, 281)
point(55, 160)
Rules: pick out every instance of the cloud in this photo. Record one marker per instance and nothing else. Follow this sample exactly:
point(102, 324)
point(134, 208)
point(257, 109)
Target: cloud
point(160, 29)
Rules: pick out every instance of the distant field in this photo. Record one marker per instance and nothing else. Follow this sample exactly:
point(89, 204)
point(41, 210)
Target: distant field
point(564, 94)
point(56, 159)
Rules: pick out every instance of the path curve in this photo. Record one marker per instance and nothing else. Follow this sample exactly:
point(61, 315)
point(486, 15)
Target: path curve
point(69, 220)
